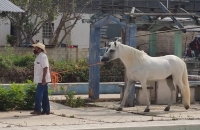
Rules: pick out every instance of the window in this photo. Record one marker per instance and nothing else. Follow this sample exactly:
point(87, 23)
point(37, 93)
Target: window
point(47, 30)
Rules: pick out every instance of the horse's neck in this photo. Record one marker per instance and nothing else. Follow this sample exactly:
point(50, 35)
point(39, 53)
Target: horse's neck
point(128, 56)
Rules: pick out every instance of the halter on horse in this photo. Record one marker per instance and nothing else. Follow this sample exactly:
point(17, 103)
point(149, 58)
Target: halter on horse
point(141, 67)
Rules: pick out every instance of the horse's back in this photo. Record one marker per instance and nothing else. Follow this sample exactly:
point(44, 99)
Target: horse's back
point(163, 66)
point(177, 65)
point(172, 59)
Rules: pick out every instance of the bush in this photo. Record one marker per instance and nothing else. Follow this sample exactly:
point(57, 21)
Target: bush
point(14, 68)
point(7, 58)
point(11, 39)
point(16, 74)
point(4, 102)
point(29, 98)
point(24, 61)
point(72, 71)
point(18, 96)
point(71, 101)
point(112, 72)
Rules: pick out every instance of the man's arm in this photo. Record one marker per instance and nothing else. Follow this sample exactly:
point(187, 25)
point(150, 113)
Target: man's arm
point(44, 75)
point(49, 69)
point(45, 66)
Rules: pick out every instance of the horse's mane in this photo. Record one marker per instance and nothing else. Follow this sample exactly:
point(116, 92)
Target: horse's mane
point(135, 53)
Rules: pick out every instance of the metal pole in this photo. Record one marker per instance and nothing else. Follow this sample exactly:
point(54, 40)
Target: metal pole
point(165, 31)
point(167, 3)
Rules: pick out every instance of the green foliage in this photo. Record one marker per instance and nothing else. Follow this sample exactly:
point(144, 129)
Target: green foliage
point(72, 101)
point(29, 97)
point(19, 68)
point(15, 68)
point(4, 102)
point(11, 39)
point(18, 96)
point(39, 12)
point(72, 71)
point(24, 61)
point(36, 13)
point(6, 59)
point(112, 72)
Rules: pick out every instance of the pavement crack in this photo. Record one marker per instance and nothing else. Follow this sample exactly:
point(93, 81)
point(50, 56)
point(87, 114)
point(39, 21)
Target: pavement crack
point(11, 124)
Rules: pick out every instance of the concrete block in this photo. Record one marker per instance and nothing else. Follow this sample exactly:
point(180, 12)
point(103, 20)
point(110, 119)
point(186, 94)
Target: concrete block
point(141, 96)
point(163, 93)
point(197, 93)
point(152, 91)
point(80, 88)
point(192, 95)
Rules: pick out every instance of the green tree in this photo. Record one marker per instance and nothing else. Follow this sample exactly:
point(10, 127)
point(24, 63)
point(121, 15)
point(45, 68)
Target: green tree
point(39, 12)
point(70, 12)
point(29, 23)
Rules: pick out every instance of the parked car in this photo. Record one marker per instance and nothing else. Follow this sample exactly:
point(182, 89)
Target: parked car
point(101, 53)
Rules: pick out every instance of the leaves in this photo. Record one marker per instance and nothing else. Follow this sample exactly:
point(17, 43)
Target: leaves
point(15, 68)
point(72, 101)
point(18, 96)
point(38, 12)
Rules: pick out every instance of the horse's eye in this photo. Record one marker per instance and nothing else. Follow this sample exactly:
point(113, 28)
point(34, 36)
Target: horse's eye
point(112, 51)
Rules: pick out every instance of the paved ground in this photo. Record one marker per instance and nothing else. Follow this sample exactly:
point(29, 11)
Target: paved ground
point(103, 116)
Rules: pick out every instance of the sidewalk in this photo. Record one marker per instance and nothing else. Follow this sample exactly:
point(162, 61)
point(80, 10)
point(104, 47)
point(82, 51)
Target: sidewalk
point(102, 97)
point(104, 117)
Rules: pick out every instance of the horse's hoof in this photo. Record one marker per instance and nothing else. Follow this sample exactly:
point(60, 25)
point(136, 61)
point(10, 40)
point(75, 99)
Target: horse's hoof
point(187, 107)
point(119, 109)
point(147, 110)
point(167, 109)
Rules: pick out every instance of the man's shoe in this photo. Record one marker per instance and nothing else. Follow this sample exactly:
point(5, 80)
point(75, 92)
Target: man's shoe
point(43, 113)
point(47, 113)
point(35, 113)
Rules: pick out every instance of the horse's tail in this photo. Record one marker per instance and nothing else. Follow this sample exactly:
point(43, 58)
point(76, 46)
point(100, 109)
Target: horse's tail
point(186, 89)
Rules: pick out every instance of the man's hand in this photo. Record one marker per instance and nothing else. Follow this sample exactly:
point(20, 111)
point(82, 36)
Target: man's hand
point(44, 81)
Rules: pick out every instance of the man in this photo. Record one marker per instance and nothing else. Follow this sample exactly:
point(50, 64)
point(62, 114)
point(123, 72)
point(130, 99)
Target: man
point(41, 77)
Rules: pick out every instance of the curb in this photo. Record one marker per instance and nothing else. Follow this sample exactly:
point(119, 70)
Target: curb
point(151, 125)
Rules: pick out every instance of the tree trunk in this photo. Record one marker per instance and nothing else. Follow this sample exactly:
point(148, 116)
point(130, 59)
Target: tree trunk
point(19, 37)
point(54, 39)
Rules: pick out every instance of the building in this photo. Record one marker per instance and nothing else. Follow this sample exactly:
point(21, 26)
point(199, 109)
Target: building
point(6, 6)
point(81, 32)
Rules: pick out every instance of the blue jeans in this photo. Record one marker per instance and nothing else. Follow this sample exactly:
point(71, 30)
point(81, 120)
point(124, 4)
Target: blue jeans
point(41, 96)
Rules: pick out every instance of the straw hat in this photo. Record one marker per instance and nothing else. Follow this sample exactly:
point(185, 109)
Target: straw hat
point(41, 46)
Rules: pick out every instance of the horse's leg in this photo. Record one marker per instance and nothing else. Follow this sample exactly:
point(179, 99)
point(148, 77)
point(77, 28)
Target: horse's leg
point(126, 93)
point(183, 89)
point(171, 85)
point(144, 88)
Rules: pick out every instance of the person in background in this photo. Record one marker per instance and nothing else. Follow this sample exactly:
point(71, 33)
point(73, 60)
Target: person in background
point(41, 77)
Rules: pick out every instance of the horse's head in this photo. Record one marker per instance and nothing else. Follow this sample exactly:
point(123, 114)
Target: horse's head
point(112, 52)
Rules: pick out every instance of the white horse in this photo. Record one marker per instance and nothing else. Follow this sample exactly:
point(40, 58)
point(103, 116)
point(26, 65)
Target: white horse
point(141, 67)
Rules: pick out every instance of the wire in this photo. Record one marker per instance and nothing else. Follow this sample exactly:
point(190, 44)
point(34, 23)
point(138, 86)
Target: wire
point(55, 78)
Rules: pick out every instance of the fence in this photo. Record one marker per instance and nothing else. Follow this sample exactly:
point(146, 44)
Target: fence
point(57, 54)
point(164, 44)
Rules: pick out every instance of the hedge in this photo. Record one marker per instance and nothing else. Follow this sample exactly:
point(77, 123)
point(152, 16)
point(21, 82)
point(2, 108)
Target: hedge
point(18, 69)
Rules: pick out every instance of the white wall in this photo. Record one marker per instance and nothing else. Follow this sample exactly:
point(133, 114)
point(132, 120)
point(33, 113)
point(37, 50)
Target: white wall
point(4, 30)
point(80, 34)
point(56, 23)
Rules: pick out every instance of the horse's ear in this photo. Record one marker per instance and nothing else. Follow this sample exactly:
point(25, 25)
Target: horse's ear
point(115, 43)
